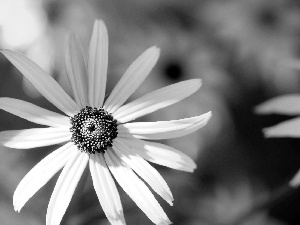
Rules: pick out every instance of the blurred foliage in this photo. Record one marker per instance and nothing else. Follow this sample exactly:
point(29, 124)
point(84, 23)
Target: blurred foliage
point(245, 51)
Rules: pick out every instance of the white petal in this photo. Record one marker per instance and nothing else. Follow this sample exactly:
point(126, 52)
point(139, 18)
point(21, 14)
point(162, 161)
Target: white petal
point(43, 82)
point(33, 113)
point(65, 187)
point(39, 175)
point(156, 100)
point(160, 154)
point(136, 189)
point(106, 190)
point(287, 105)
point(144, 170)
point(132, 79)
point(76, 70)
point(35, 137)
point(290, 128)
point(163, 129)
point(296, 180)
point(97, 64)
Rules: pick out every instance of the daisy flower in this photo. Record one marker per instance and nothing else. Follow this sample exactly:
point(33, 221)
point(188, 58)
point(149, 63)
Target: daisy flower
point(285, 105)
point(99, 133)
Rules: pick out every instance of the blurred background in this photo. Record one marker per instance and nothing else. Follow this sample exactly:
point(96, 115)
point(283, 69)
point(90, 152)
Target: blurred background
point(245, 52)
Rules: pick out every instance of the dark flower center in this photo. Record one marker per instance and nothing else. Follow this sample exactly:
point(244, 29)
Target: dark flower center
point(93, 130)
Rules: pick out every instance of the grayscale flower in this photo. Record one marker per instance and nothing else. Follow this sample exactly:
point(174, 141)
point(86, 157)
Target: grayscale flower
point(99, 133)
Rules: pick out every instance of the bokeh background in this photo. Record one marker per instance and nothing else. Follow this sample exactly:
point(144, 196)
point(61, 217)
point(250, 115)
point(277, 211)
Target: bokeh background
point(245, 52)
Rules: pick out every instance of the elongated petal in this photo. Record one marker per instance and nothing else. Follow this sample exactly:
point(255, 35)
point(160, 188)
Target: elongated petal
point(160, 154)
point(287, 105)
point(39, 175)
point(290, 128)
point(76, 70)
point(65, 187)
point(157, 100)
point(144, 170)
point(132, 79)
point(164, 129)
point(106, 190)
point(136, 189)
point(43, 82)
point(97, 64)
point(35, 137)
point(33, 113)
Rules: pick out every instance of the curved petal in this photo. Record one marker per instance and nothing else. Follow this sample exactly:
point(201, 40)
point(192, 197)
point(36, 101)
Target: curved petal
point(132, 79)
point(76, 70)
point(97, 64)
point(136, 189)
point(156, 100)
point(33, 113)
point(163, 129)
point(35, 137)
point(106, 190)
point(144, 170)
point(287, 105)
point(160, 154)
point(290, 128)
point(39, 175)
point(65, 187)
point(43, 82)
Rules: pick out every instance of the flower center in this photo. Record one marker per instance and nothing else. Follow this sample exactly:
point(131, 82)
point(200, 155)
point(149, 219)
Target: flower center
point(93, 130)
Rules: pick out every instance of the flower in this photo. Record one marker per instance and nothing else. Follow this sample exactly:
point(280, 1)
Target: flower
point(286, 105)
point(97, 132)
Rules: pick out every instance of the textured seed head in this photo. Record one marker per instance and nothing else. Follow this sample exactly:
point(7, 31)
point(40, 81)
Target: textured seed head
point(93, 130)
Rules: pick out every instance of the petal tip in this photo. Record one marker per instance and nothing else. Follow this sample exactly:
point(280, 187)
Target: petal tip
point(170, 199)
point(154, 50)
point(17, 208)
point(294, 183)
point(100, 23)
point(194, 84)
point(268, 133)
point(165, 222)
point(207, 116)
point(259, 109)
point(117, 221)
point(198, 81)
point(191, 168)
